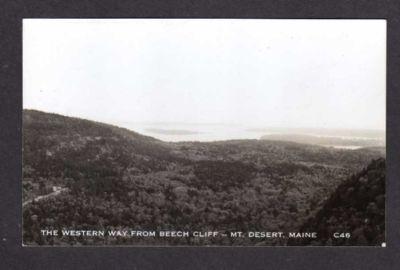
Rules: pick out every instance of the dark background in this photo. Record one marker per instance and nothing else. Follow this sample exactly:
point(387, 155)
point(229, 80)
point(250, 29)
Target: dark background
point(14, 256)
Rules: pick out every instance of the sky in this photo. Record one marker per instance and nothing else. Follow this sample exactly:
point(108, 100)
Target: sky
point(261, 73)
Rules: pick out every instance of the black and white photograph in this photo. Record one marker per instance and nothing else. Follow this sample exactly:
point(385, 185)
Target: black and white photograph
point(204, 132)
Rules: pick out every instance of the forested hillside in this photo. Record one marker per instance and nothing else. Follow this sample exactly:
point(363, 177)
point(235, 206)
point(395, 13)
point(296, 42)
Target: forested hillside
point(81, 174)
point(355, 211)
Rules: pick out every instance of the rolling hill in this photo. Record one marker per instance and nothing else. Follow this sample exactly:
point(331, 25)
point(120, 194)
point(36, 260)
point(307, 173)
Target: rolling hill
point(92, 176)
point(355, 211)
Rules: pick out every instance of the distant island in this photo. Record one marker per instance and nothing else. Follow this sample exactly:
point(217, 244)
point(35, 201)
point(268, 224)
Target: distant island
point(340, 142)
point(325, 132)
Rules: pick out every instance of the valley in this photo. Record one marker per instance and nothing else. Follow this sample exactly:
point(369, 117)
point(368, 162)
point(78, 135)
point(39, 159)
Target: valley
point(114, 178)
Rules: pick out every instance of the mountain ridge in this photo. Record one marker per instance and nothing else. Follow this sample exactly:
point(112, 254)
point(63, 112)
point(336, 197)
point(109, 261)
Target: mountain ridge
point(113, 177)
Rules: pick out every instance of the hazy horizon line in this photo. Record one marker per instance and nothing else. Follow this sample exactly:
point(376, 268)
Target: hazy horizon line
point(258, 127)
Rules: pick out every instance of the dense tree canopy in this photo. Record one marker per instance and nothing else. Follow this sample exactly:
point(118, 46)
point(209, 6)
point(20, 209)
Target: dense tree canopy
point(112, 178)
